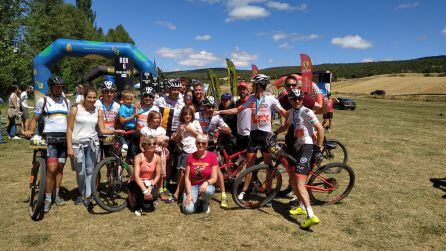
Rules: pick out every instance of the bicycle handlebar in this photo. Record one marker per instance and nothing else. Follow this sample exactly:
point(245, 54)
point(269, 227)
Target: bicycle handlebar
point(129, 132)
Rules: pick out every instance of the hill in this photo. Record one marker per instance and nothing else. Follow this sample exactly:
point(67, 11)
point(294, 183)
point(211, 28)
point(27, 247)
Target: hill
point(426, 65)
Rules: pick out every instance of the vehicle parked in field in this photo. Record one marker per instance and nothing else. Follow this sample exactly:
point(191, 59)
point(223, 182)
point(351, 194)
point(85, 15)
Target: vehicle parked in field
point(345, 104)
point(378, 92)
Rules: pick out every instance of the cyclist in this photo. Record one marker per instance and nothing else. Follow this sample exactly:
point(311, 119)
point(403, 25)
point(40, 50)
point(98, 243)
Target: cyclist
point(108, 109)
point(243, 117)
point(209, 124)
point(146, 105)
point(54, 109)
point(308, 145)
point(261, 106)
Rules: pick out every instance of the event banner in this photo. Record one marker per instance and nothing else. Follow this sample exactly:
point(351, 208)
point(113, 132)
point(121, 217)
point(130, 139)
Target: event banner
point(232, 77)
point(214, 86)
point(254, 70)
point(307, 73)
point(123, 72)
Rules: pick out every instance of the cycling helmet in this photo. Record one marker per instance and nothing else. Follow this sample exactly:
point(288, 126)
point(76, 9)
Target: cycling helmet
point(55, 80)
point(261, 79)
point(209, 101)
point(148, 91)
point(295, 94)
point(226, 96)
point(173, 83)
point(108, 86)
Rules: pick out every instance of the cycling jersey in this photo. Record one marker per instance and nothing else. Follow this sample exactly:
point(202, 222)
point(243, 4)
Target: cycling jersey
point(170, 111)
point(141, 120)
point(55, 114)
point(261, 111)
point(110, 113)
point(209, 125)
point(243, 120)
point(303, 121)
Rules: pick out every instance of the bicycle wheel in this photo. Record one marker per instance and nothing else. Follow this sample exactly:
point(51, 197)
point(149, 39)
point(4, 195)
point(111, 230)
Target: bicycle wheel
point(109, 184)
point(334, 151)
point(37, 187)
point(265, 185)
point(331, 183)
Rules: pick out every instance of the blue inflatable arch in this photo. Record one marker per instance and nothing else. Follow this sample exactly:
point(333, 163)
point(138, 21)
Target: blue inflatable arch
point(81, 48)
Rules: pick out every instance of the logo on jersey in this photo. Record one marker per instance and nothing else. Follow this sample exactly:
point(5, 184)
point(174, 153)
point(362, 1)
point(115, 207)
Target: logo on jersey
point(148, 89)
point(303, 160)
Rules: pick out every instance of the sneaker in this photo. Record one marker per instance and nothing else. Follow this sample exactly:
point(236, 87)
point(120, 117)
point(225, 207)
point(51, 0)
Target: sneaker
point(79, 200)
point(298, 211)
point(310, 222)
point(241, 195)
point(206, 208)
point(170, 200)
point(88, 204)
point(59, 201)
point(138, 212)
point(47, 206)
point(224, 203)
point(15, 137)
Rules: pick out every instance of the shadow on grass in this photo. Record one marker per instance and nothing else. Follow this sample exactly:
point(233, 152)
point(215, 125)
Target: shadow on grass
point(283, 210)
point(439, 183)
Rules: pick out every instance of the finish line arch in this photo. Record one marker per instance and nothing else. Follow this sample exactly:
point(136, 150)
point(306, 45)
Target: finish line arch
point(60, 48)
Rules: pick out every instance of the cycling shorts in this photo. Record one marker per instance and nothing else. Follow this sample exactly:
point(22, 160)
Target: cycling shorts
point(242, 142)
point(257, 140)
point(304, 156)
point(57, 148)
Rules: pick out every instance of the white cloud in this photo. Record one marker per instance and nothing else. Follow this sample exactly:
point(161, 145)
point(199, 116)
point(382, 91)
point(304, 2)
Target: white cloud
point(205, 1)
point(407, 5)
point(349, 41)
point(246, 12)
point(368, 60)
point(188, 56)
point(168, 25)
point(242, 58)
point(203, 37)
point(285, 46)
point(444, 31)
point(285, 6)
point(280, 35)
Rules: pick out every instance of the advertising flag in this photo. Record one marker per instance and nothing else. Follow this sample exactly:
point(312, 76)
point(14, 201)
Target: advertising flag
point(254, 70)
point(307, 73)
point(232, 74)
point(214, 87)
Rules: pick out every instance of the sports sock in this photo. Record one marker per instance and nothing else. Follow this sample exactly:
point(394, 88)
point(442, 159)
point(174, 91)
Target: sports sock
point(57, 191)
point(302, 205)
point(223, 195)
point(48, 196)
point(310, 212)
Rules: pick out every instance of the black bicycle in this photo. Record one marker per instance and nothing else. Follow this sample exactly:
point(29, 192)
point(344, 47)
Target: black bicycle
point(327, 184)
point(37, 184)
point(110, 179)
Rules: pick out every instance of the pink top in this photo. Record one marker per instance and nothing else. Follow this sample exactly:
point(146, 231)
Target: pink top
point(330, 105)
point(147, 171)
point(201, 168)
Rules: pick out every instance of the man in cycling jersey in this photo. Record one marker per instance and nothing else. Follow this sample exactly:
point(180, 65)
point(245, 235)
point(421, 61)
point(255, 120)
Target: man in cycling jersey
point(261, 106)
point(54, 109)
point(243, 117)
point(209, 124)
point(307, 144)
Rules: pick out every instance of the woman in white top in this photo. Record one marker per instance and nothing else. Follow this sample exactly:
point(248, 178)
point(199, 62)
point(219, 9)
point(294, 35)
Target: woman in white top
point(83, 142)
point(13, 111)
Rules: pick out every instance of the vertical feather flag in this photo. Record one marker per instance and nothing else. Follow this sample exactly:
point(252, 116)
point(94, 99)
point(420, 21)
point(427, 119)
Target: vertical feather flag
point(214, 87)
point(307, 74)
point(254, 70)
point(232, 77)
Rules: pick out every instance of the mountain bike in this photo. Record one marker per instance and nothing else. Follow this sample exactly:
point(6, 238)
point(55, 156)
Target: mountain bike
point(37, 184)
point(326, 184)
point(111, 177)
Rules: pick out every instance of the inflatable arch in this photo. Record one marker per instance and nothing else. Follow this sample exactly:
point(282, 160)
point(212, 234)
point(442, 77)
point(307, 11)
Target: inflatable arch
point(101, 70)
point(89, 49)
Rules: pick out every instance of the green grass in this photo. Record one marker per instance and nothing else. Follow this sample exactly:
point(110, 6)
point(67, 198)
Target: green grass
point(394, 147)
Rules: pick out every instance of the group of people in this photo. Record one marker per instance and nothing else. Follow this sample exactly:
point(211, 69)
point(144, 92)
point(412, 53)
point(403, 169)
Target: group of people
point(171, 138)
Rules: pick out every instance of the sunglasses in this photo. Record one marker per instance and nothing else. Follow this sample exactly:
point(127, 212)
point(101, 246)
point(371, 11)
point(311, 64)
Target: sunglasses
point(150, 144)
point(295, 99)
point(199, 143)
point(290, 85)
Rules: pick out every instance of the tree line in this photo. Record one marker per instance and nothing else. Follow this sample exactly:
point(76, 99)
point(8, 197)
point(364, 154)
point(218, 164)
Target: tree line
point(29, 26)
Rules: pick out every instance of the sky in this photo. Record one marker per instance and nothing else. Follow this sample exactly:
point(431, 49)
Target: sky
point(195, 34)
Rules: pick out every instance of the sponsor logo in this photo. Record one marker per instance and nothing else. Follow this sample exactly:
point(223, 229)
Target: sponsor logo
point(303, 160)
point(306, 65)
point(69, 48)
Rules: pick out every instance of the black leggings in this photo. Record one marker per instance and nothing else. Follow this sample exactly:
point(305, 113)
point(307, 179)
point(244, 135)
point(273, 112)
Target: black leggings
point(141, 203)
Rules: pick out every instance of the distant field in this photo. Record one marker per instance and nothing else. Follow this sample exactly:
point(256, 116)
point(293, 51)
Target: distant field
point(394, 147)
point(393, 84)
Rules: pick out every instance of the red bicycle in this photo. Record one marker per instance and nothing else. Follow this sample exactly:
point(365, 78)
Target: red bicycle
point(326, 184)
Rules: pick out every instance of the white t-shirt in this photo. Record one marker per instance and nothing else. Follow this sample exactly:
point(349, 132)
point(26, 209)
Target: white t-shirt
point(188, 140)
point(85, 123)
point(208, 125)
point(261, 117)
point(110, 113)
point(171, 109)
point(141, 120)
point(303, 120)
point(79, 98)
point(147, 131)
point(55, 114)
point(24, 99)
point(244, 121)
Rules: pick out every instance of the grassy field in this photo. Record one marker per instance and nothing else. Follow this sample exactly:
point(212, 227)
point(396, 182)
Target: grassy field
point(395, 147)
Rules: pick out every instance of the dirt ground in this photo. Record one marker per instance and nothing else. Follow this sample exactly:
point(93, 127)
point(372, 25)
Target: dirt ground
point(395, 148)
